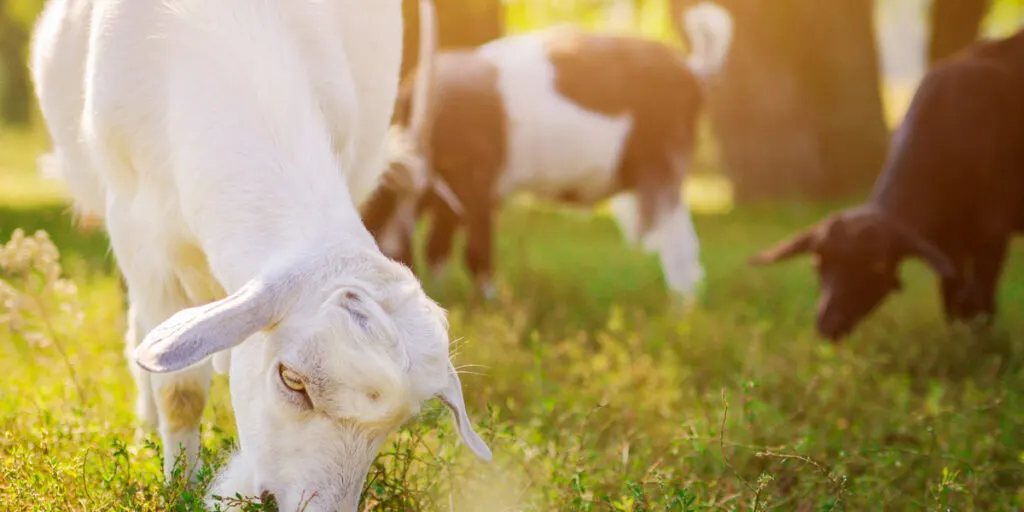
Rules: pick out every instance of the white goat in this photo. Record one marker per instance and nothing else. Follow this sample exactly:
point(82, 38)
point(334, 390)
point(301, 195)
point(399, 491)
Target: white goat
point(227, 144)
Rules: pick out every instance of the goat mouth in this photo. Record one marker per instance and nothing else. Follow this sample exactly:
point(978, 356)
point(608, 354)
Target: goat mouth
point(837, 337)
point(834, 331)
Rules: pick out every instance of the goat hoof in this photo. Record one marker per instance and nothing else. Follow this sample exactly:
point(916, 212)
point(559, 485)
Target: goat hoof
point(683, 304)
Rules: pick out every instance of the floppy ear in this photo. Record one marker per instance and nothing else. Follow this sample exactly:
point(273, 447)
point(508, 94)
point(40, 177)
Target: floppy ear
point(192, 334)
point(452, 397)
point(798, 244)
point(911, 243)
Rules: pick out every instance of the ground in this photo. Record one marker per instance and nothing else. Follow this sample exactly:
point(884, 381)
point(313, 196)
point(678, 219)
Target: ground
point(592, 390)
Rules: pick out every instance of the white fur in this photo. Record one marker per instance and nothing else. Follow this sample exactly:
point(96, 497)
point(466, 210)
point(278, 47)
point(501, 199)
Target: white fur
point(553, 143)
point(227, 144)
point(556, 145)
point(673, 236)
point(710, 27)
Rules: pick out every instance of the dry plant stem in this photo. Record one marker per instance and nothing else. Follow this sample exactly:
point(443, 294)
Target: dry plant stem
point(58, 342)
point(837, 482)
point(721, 445)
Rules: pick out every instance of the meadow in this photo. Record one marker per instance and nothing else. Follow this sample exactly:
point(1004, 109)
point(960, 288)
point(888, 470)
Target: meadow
point(593, 389)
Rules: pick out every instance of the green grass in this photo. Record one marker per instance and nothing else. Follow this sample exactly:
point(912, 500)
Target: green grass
point(593, 393)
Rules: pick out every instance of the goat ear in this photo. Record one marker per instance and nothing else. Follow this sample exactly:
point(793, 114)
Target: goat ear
point(192, 334)
point(452, 397)
point(356, 302)
point(911, 243)
point(441, 188)
point(798, 244)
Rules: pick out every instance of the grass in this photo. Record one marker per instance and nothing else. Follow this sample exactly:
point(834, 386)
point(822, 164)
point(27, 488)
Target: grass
point(593, 393)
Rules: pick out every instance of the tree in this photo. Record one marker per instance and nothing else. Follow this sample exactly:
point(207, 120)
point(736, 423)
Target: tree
point(461, 23)
point(16, 91)
point(797, 110)
point(954, 25)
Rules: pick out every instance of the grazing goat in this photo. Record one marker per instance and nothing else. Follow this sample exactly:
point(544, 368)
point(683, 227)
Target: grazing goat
point(952, 194)
point(563, 114)
point(227, 145)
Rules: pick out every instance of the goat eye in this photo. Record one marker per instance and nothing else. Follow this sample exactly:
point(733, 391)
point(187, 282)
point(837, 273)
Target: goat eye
point(291, 380)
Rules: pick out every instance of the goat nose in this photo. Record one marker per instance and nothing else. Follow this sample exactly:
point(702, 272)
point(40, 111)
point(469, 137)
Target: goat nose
point(832, 329)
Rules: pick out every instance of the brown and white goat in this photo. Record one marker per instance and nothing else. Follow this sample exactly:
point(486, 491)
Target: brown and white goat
point(952, 194)
point(563, 114)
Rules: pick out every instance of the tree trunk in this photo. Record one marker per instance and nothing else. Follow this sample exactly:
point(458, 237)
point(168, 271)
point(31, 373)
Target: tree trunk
point(844, 80)
point(797, 110)
point(461, 23)
point(16, 91)
point(955, 24)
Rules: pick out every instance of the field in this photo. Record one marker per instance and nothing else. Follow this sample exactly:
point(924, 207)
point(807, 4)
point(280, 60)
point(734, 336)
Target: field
point(594, 392)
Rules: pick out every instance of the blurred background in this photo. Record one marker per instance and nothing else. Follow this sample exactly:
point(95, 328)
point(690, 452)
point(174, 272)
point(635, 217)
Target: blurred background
point(802, 110)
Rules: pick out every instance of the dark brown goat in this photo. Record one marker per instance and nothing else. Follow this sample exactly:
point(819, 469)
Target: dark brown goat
point(952, 194)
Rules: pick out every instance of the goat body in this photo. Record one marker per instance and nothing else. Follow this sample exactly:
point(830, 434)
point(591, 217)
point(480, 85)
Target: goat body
point(956, 173)
point(563, 114)
point(951, 193)
point(227, 145)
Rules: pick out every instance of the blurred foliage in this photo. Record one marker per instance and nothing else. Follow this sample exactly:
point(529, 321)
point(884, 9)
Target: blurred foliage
point(524, 15)
point(1004, 17)
point(651, 20)
point(23, 11)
